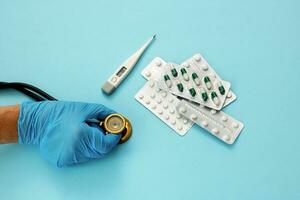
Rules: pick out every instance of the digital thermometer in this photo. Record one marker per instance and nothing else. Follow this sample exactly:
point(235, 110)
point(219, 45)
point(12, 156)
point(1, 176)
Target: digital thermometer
point(114, 81)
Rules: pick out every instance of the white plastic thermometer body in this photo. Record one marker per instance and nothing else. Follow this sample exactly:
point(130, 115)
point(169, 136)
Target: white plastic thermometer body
point(121, 73)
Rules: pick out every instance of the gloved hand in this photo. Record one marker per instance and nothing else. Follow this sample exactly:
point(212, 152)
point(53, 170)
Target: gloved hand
point(60, 131)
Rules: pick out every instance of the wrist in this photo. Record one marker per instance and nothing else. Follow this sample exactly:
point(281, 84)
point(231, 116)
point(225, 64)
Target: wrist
point(9, 124)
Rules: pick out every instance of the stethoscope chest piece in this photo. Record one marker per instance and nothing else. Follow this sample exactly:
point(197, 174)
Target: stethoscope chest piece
point(117, 124)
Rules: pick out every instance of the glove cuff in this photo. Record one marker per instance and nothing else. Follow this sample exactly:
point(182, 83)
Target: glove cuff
point(26, 122)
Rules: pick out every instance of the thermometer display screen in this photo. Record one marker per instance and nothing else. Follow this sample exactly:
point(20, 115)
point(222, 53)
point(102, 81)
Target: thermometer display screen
point(121, 71)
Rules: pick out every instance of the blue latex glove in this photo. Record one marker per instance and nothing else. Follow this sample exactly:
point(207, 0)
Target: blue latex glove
point(60, 131)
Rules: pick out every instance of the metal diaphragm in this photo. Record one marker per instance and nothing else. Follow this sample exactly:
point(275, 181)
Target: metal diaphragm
point(114, 123)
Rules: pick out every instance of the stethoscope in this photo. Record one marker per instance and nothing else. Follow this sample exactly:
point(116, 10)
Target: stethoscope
point(112, 124)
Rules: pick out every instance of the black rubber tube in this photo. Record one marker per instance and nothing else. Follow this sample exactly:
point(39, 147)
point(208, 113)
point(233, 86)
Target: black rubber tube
point(29, 90)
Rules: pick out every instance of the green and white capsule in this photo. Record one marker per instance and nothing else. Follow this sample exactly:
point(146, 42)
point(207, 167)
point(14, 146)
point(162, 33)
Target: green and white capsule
point(221, 88)
point(196, 79)
point(168, 81)
point(192, 92)
point(207, 82)
point(215, 98)
point(203, 94)
point(174, 72)
point(184, 74)
point(180, 87)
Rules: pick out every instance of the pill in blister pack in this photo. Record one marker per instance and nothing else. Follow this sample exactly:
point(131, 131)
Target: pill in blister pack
point(154, 71)
point(218, 123)
point(194, 84)
point(163, 105)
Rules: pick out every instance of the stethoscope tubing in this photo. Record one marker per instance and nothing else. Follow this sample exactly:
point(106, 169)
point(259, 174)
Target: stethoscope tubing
point(29, 90)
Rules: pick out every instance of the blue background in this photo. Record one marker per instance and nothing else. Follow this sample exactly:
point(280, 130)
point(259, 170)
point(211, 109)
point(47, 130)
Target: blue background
point(69, 48)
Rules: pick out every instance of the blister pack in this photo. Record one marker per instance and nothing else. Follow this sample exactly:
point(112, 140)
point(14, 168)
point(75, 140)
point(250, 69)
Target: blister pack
point(155, 69)
point(218, 123)
point(194, 84)
point(199, 61)
point(163, 105)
